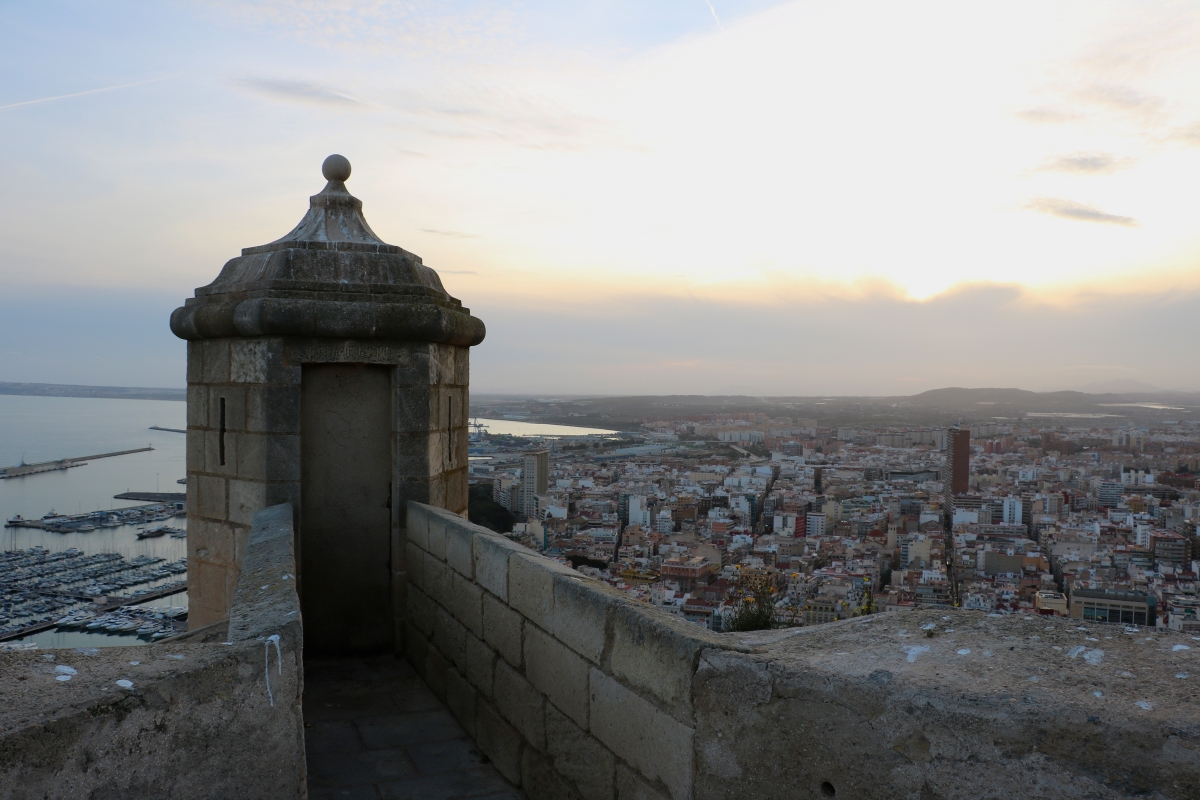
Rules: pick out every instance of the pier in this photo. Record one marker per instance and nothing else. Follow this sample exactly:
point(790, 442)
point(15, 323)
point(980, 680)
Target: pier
point(168, 430)
point(153, 497)
point(50, 522)
point(63, 463)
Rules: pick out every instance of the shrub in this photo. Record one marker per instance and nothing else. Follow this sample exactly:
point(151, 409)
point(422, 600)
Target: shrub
point(755, 610)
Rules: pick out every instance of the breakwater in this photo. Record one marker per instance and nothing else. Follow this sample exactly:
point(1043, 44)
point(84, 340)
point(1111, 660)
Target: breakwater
point(153, 497)
point(62, 463)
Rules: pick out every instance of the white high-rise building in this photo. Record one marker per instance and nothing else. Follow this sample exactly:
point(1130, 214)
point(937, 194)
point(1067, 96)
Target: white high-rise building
point(1010, 511)
point(639, 511)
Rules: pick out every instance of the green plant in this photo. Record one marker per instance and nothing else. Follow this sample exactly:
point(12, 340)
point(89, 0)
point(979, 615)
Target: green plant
point(755, 609)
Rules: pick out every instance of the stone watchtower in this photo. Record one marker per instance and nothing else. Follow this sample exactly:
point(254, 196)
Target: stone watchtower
point(328, 370)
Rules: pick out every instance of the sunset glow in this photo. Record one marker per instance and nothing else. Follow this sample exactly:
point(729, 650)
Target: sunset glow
point(750, 155)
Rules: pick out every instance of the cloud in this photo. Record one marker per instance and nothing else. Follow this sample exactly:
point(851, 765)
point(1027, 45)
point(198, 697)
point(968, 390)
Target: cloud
point(40, 100)
point(1087, 163)
point(453, 235)
point(714, 14)
point(1048, 114)
point(1069, 209)
point(1188, 134)
point(376, 28)
point(654, 343)
point(1123, 98)
point(301, 91)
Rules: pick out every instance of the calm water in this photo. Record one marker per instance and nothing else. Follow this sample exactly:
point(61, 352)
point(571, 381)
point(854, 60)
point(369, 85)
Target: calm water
point(516, 427)
point(48, 428)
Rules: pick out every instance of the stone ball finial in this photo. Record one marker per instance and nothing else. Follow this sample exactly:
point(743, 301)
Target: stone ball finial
point(336, 168)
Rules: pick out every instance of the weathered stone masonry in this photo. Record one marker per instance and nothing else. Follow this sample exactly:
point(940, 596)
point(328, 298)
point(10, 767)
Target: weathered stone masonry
point(211, 714)
point(576, 692)
point(569, 688)
point(328, 370)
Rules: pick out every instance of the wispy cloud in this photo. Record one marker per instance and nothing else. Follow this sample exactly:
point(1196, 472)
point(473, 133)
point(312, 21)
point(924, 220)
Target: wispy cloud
point(453, 235)
point(1123, 98)
point(1069, 209)
point(1048, 114)
point(375, 27)
point(714, 14)
point(81, 94)
point(301, 91)
point(1087, 163)
point(1188, 134)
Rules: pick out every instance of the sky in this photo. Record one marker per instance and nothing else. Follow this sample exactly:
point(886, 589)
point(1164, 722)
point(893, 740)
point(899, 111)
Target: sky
point(735, 196)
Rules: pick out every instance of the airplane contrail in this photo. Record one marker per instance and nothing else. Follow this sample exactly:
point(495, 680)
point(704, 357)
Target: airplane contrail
point(79, 94)
point(714, 13)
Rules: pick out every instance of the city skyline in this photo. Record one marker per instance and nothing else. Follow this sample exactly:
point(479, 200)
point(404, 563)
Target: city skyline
point(783, 198)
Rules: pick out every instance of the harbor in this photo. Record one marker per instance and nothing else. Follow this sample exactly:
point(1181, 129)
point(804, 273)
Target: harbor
point(40, 590)
point(92, 520)
point(136, 538)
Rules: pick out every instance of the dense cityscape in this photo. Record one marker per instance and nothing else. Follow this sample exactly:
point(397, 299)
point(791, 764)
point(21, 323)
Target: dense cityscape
point(1096, 521)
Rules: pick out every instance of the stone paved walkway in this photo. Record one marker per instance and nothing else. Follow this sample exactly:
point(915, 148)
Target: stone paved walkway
point(373, 729)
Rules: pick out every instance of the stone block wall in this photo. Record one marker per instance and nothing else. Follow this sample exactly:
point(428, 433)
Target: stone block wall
point(569, 688)
point(431, 441)
point(576, 692)
point(249, 457)
point(238, 462)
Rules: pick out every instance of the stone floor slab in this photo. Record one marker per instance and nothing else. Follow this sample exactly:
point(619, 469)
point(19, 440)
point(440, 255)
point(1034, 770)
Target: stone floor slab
point(433, 758)
point(333, 770)
point(482, 782)
point(354, 793)
point(416, 728)
point(373, 729)
point(333, 736)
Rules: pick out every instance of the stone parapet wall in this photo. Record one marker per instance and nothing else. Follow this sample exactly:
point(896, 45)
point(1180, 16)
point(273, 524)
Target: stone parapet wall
point(574, 691)
point(951, 704)
point(177, 719)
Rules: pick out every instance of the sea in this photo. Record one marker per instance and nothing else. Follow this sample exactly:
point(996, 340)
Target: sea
point(34, 429)
point(516, 427)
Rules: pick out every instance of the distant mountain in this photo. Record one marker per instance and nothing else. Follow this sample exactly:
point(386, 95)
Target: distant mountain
point(1120, 386)
point(109, 392)
point(1008, 401)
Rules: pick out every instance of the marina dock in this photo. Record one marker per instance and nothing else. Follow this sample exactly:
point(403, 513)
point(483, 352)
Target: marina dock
point(109, 604)
point(42, 590)
point(131, 515)
point(63, 463)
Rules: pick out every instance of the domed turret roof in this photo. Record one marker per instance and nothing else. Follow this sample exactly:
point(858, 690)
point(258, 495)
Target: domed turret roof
point(331, 276)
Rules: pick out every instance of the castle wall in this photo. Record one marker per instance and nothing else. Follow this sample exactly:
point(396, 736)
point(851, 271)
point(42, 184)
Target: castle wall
point(195, 719)
point(245, 451)
point(574, 691)
point(570, 689)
